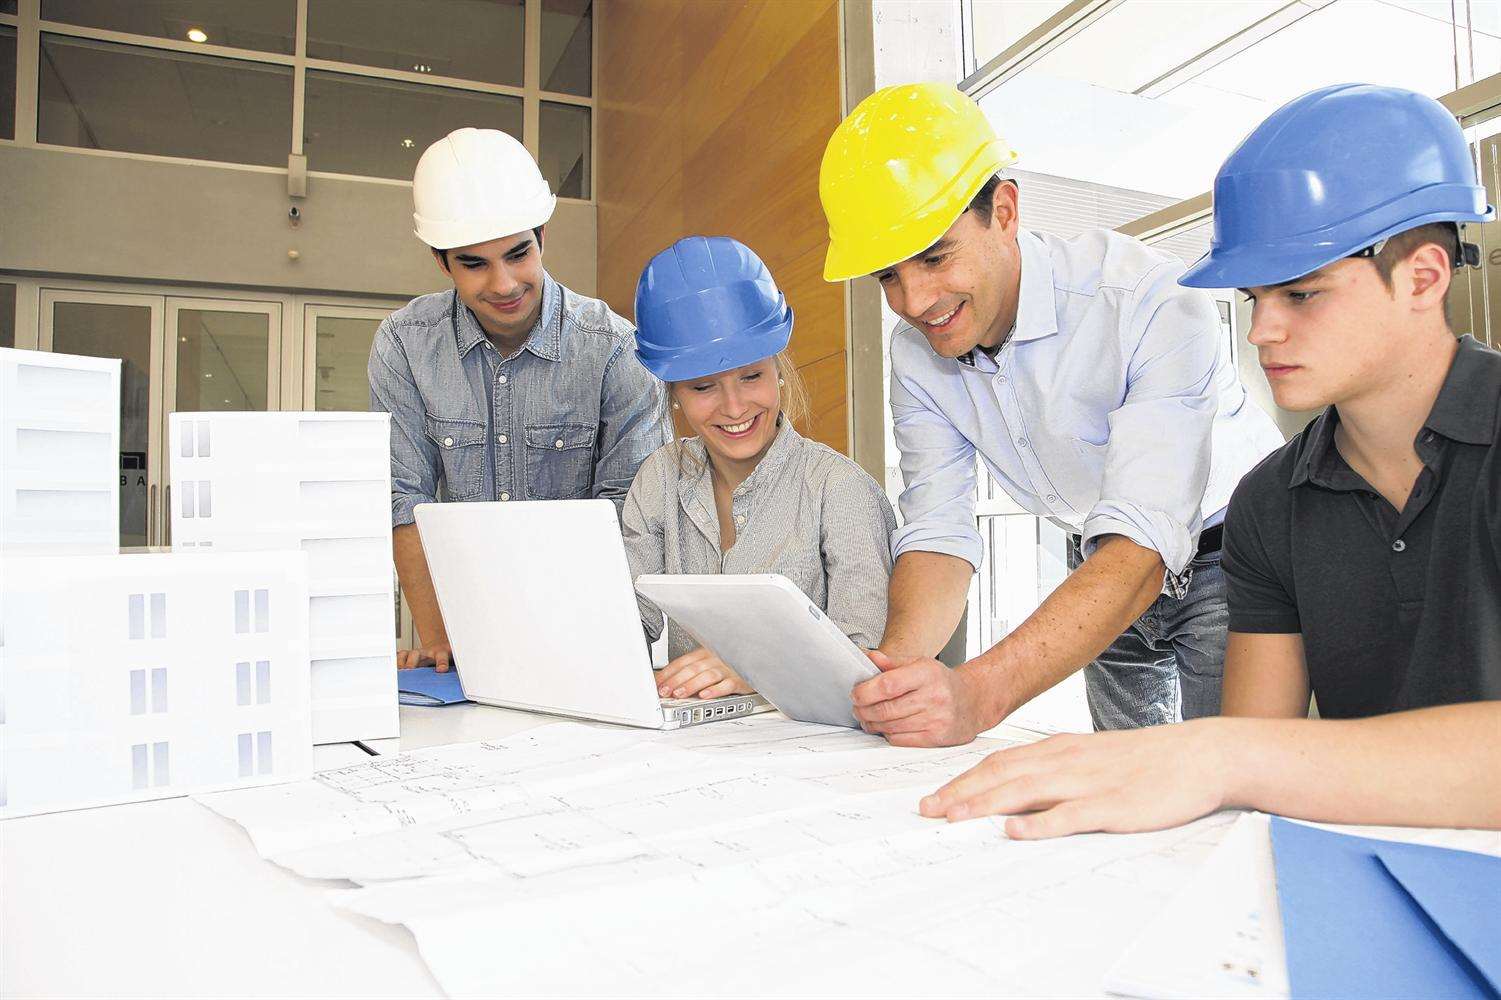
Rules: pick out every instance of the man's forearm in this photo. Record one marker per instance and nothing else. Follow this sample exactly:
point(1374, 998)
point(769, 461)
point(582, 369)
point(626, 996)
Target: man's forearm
point(1088, 611)
point(417, 584)
point(1431, 767)
point(924, 602)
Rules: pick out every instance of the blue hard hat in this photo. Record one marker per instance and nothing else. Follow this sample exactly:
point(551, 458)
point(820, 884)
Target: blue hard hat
point(1330, 174)
point(705, 305)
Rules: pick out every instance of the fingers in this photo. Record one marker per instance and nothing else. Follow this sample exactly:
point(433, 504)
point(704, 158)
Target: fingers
point(890, 711)
point(680, 670)
point(442, 659)
point(892, 684)
point(406, 659)
point(730, 685)
point(1075, 816)
point(994, 771)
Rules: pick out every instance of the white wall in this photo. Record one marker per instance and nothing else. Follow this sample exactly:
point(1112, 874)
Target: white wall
point(90, 215)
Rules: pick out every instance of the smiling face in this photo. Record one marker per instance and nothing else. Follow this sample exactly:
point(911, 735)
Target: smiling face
point(1341, 332)
point(962, 291)
point(501, 283)
point(733, 413)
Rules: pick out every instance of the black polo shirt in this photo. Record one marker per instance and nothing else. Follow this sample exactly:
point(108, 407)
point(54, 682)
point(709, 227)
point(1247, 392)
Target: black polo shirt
point(1397, 610)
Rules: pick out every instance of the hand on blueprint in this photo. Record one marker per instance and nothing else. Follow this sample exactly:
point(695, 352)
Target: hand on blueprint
point(699, 673)
point(917, 702)
point(1120, 782)
point(438, 655)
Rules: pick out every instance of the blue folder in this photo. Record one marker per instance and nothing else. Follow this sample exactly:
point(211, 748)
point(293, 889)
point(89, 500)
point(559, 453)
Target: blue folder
point(1374, 918)
point(425, 686)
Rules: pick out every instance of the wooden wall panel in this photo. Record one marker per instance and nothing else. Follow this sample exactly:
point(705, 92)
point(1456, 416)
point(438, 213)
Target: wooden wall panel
point(713, 115)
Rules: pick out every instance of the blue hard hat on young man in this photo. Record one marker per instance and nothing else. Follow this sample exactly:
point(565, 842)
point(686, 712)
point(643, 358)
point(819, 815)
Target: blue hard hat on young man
point(707, 304)
point(1332, 174)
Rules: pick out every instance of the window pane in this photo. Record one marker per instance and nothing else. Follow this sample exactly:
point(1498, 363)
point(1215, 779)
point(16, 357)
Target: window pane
point(564, 150)
point(222, 361)
point(378, 128)
point(340, 381)
point(264, 25)
point(7, 82)
point(567, 30)
point(7, 6)
point(469, 39)
point(7, 315)
point(1157, 93)
point(102, 96)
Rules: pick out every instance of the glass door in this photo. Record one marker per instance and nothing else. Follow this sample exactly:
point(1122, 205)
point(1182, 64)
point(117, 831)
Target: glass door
point(336, 346)
point(128, 327)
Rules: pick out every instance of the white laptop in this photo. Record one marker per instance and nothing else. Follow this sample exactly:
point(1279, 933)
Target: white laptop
point(540, 611)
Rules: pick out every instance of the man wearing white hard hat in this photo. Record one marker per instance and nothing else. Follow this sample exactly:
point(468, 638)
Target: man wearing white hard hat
point(509, 386)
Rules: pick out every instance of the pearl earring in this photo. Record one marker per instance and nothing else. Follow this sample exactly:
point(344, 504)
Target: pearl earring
point(781, 382)
point(675, 405)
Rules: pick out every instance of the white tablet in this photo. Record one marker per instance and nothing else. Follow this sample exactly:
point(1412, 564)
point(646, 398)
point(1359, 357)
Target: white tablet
point(768, 631)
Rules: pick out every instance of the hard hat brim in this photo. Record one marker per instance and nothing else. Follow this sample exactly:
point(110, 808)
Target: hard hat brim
point(715, 356)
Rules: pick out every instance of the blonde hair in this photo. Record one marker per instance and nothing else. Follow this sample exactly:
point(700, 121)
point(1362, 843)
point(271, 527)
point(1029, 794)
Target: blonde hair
point(793, 405)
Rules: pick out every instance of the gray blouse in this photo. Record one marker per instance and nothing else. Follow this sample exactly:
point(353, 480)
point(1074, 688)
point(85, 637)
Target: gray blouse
point(806, 512)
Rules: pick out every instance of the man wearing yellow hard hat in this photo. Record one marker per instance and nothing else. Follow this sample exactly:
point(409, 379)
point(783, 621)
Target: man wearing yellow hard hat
point(1097, 391)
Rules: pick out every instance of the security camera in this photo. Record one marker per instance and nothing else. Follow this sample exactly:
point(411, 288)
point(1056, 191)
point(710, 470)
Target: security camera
point(294, 213)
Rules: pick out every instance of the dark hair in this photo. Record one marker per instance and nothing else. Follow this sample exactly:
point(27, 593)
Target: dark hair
point(983, 203)
point(1402, 246)
point(536, 231)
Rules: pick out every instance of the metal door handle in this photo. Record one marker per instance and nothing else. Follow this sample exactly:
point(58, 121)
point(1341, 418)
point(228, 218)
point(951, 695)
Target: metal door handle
point(151, 516)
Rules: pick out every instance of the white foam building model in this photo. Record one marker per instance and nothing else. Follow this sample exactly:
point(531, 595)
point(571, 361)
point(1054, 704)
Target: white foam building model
point(319, 483)
point(59, 448)
point(128, 677)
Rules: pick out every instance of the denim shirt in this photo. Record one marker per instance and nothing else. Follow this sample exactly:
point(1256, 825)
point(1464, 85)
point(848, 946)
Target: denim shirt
point(570, 414)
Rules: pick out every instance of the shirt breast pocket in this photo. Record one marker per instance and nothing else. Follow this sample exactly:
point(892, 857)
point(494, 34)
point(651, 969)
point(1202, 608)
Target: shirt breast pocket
point(461, 446)
point(559, 461)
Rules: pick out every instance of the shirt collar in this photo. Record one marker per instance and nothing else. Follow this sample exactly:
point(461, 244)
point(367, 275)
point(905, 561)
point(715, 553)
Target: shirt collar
point(1470, 397)
point(545, 339)
point(1036, 306)
point(1465, 411)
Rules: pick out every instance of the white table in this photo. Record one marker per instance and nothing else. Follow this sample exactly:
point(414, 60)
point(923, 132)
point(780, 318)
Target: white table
point(166, 898)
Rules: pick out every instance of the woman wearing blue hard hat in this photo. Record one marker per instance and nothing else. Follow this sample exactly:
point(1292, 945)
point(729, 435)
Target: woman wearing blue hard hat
point(1363, 558)
point(745, 493)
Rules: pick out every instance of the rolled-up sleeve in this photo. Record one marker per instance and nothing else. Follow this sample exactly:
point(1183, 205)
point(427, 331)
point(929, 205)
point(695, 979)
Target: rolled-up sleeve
point(632, 423)
point(1157, 456)
point(855, 539)
point(938, 475)
point(415, 465)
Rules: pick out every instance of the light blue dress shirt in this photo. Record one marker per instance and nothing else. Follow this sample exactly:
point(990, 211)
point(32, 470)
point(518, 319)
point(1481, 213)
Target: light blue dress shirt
point(1113, 408)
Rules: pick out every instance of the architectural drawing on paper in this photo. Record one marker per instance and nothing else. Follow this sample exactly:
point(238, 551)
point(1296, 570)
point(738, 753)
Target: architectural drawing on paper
point(59, 452)
point(319, 483)
point(129, 677)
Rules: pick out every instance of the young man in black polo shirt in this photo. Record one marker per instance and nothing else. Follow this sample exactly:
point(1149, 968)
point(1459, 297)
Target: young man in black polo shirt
point(1364, 557)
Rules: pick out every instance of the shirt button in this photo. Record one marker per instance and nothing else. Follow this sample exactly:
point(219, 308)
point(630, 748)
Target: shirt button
point(502, 439)
point(1399, 546)
point(1022, 442)
point(502, 380)
point(739, 518)
point(448, 442)
point(558, 443)
point(1052, 497)
point(505, 496)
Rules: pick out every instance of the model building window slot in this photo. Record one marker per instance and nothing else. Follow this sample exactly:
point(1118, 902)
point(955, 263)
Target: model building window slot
point(138, 616)
point(158, 616)
point(262, 682)
point(203, 426)
point(161, 775)
point(138, 767)
point(159, 689)
point(205, 499)
point(247, 752)
point(263, 752)
point(263, 610)
point(242, 612)
point(242, 683)
point(138, 692)
point(189, 495)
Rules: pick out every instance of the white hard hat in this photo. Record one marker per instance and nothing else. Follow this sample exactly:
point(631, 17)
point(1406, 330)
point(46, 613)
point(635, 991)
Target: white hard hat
point(474, 185)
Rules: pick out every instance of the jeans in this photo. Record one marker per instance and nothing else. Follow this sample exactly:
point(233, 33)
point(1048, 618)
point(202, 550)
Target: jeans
point(1169, 664)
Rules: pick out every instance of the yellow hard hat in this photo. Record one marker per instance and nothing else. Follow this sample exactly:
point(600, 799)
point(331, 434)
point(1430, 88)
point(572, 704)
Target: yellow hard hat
point(899, 170)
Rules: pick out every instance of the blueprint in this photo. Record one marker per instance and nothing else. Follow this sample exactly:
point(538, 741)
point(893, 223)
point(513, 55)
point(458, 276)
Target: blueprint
point(575, 859)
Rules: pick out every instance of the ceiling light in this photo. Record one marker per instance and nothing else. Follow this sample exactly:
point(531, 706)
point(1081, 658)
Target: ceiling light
point(422, 67)
point(407, 144)
point(208, 374)
point(197, 35)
